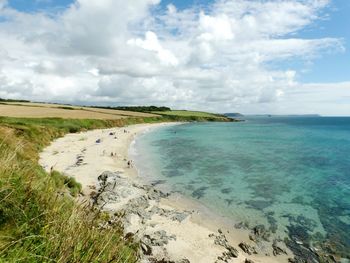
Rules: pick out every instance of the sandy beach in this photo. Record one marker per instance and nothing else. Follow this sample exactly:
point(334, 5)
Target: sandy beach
point(169, 227)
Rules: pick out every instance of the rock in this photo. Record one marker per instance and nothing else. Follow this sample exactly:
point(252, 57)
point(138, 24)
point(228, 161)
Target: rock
point(277, 250)
point(163, 260)
point(129, 235)
point(241, 225)
point(259, 232)
point(221, 259)
point(179, 216)
point(138, 206)
point(185, 260)
point(220, 240)
point(232, 252)
point(158, 238)
point(172, 214)
point(146, 249)
point(295, 260)
point(248, 261)
point(247, 248)
point(107, 183)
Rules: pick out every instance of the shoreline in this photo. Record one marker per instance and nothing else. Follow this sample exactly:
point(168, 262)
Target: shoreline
point(169, 226)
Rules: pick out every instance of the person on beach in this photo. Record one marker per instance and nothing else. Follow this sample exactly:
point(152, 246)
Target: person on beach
point(130, 164)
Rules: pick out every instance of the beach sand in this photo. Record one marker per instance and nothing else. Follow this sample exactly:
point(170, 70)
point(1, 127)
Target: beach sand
point(168, 226)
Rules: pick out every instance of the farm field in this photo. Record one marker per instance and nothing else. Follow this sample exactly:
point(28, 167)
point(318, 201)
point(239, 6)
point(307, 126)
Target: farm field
point(42, 110)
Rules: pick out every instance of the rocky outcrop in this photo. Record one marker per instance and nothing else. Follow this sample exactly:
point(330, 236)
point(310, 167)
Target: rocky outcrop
point(247, 248)
point(138, 204)
point(221, 240)
point(277, 249)
point(258, 233)
point(141, 206)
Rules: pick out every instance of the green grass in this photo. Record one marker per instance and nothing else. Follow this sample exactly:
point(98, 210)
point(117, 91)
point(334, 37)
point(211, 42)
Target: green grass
point(40, 221)
point(61, 181)
point(184, 113)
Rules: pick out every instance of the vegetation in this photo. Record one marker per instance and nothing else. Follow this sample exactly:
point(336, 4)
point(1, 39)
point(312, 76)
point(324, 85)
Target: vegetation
point(40, 221)
point(188, 113)
point(65, 108)
point(193, 115)
point(135, 108)
point(9, 100)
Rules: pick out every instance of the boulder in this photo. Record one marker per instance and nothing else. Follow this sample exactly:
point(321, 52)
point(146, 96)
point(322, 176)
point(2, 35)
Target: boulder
point(247, 248)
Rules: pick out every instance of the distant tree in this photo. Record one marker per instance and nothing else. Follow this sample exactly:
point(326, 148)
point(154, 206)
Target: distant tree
point(11, 100)
point(135, 108)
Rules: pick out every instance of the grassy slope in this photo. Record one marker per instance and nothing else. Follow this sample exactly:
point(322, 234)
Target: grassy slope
point(193, 115)
point(40, 221)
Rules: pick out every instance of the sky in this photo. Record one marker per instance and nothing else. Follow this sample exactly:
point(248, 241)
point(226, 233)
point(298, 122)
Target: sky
point(248, 56)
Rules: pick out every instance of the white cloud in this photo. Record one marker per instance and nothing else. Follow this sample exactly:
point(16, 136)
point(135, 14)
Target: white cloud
point(151, 43)
point(135, 52)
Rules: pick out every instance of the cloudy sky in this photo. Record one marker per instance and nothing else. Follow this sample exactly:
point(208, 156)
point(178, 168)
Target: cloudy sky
point(249, 56)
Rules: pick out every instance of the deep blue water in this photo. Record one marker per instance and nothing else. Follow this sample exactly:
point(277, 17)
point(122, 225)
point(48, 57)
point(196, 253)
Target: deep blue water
point(291, 174)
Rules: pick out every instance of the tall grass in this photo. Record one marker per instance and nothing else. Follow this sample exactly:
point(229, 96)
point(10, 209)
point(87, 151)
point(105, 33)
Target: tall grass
point(40, 221)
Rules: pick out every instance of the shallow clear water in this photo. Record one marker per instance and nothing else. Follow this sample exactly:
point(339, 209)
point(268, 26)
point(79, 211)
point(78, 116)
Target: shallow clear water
point(290, 173)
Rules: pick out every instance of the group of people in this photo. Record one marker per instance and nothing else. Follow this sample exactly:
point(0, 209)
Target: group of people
point(114, 154)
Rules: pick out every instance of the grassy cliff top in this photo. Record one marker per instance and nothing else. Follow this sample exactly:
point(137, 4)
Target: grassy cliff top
point(40, 220)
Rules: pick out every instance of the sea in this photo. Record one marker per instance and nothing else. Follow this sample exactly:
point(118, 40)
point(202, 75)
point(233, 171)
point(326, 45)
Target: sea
point(290, 174)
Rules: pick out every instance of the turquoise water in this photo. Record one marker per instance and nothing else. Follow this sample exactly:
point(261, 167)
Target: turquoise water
point(291, 174)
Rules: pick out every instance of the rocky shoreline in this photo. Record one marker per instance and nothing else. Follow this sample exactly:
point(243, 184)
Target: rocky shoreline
point(142, 206)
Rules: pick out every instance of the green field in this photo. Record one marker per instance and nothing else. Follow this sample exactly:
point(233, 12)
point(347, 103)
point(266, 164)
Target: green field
point(185, 113)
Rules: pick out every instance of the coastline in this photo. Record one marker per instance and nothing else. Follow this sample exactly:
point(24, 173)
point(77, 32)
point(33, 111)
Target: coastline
point(168, 226)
